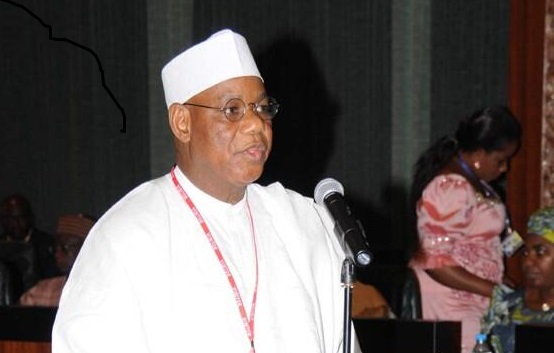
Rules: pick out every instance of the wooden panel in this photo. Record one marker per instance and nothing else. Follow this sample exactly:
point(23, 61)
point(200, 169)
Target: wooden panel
point(25, 347)
point(527, 27)
point(26, 323)
point(26, 329)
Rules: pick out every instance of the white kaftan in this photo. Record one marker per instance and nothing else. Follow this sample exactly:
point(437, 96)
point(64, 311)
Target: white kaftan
point(147, 279)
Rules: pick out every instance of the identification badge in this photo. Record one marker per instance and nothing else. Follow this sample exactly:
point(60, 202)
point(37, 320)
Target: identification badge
point(511, 243)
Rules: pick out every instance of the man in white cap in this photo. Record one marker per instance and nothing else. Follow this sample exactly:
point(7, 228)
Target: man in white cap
point(203, 259)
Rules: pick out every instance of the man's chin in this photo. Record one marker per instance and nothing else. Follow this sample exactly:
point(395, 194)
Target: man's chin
point(251, 178)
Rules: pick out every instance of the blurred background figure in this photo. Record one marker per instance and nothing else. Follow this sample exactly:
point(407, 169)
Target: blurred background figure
point(461, 218)
point(25, 250)
point(534, 303)
point(368, 302)
point(70, 235)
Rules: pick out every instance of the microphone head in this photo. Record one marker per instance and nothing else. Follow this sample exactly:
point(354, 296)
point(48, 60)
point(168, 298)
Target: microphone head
point(325, 187)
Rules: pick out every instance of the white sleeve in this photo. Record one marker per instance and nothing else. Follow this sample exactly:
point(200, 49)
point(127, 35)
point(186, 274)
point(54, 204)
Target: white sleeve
point(97, 311)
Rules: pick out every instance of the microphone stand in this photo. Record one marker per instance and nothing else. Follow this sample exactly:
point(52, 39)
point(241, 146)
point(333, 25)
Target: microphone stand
point(348, 277)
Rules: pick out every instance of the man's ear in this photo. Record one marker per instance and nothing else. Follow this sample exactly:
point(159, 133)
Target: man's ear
point(179, 121)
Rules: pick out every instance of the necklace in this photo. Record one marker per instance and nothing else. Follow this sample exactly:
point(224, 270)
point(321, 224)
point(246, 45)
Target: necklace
point(545, 307)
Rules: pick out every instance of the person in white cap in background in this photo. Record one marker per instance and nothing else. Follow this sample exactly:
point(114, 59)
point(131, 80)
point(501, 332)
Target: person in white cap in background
point(203, 259)
point(70, 235)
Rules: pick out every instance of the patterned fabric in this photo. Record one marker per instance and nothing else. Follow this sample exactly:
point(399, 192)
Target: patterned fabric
point(541, 222)
point(507, 309)
point(457, 227)
point(45, 293)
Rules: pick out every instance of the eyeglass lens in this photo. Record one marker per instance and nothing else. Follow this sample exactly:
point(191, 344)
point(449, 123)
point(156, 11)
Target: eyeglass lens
point(266, 108)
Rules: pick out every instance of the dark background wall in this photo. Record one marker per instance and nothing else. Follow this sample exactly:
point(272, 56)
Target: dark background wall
point(333, 66)
point(71, 74)
point(341, 70)
point(469, 58)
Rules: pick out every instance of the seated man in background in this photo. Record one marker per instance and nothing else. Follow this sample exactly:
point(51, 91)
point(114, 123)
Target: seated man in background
point(26, 251)
point(534, 303)
point(70, 235)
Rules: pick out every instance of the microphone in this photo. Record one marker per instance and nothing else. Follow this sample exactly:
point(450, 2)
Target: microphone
point(329, 193)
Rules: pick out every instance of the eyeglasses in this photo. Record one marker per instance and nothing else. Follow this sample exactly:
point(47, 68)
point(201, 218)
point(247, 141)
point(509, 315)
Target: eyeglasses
point(235, 108)
point(66, 248)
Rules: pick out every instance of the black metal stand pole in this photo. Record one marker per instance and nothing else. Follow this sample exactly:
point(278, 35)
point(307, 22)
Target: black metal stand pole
point(348, 277)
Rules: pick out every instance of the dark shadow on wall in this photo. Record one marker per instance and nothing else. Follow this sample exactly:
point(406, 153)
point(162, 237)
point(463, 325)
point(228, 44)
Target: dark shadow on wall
point(303, 131)
point(391, 233)
point(403, 220)
point(304, 140)
point(389, 229)
point(59, 137)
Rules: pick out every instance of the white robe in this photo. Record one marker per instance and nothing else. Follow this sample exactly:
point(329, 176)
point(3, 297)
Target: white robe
point(147, 280)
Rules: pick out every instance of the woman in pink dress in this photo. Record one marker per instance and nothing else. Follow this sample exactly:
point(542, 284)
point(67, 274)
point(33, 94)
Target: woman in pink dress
point(460, 218)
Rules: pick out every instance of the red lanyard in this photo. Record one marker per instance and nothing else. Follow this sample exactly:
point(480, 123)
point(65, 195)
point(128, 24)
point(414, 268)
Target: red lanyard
point(247, 322)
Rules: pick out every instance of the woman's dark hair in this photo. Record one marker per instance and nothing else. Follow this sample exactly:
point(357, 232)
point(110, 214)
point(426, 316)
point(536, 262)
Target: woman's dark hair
point(490, 128)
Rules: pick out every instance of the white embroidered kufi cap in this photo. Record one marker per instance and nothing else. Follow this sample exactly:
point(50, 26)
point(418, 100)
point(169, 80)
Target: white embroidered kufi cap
point(222, 56)
point(74, 224)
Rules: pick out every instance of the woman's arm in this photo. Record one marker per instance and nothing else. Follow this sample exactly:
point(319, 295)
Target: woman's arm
point(458, 278)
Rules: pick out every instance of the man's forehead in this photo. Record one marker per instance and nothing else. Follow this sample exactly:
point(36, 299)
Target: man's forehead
point(62, 237)
point(235, 87)
point(12, 207)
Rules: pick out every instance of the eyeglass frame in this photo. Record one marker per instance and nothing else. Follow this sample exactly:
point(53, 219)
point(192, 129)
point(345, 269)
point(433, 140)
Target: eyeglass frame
point(66, 248)
point(254, 106)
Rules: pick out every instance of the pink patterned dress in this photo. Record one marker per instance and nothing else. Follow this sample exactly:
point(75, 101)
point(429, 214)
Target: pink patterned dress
point(457, 227)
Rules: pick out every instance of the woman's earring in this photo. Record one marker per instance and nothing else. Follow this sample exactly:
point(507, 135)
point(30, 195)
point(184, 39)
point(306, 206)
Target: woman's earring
point(477, 165)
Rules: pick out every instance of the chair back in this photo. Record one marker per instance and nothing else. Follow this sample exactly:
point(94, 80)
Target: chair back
point(411, 297)
point(6, 286)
